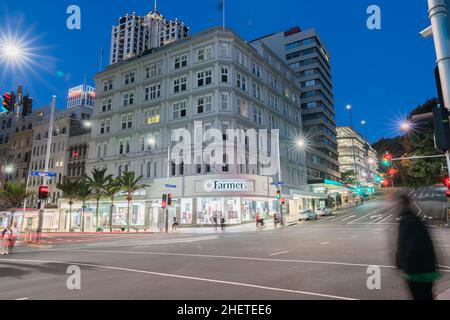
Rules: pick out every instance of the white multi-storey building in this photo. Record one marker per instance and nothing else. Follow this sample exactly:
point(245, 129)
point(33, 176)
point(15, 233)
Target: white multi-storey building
point(135, 35)
point(215, 78)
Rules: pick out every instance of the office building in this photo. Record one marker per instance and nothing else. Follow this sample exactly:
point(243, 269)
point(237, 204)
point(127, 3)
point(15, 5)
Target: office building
point(135, 34)
point(306, 54)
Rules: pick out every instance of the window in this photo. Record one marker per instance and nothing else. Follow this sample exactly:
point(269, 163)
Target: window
point(204, 104)
point(225, 101)
point(256, 91)
point(126, 121)
point(153, 92)
point(181, 61)
point(129, 78)
point(179, 110)
point(224, 71)
point(124, 146)
point(179, 84)
point(128, 98)
point(241, 58)
point(107, 85)
point(225, 49)
point(204, 78)
point(241, 81)
point(257, 115)
point(106, 104)
point(204, 54)
point(153, 70)
point(104, 126)
point(256, 69)
point(152, 116)
point(242, 106)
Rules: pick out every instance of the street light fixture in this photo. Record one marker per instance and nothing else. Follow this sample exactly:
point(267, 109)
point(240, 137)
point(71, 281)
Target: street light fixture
point(405, 126)
point(9, 169)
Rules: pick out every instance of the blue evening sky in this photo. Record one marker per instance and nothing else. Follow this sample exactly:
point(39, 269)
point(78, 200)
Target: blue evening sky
point(382, 73)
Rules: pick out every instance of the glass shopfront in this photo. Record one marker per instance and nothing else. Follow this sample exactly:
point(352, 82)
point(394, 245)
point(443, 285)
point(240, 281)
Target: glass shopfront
point(210, 208)
point(186, 211)
point(119, 214)
point(265, 208)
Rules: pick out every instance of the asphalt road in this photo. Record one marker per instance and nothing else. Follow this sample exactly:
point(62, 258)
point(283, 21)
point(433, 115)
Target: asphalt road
point(325, 259)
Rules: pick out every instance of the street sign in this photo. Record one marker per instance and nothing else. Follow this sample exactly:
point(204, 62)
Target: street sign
point(43, 174)
point(171, 186)
point(279, 183)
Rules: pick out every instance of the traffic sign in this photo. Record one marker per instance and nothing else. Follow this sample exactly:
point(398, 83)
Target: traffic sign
point(171, 186)
point(279, 183)
point(43, 174)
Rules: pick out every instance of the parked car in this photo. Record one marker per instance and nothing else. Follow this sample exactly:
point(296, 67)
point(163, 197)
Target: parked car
point(324, 212)
point(307, 215)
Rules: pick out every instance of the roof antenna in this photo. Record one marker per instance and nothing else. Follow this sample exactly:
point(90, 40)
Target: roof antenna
point(154, 9)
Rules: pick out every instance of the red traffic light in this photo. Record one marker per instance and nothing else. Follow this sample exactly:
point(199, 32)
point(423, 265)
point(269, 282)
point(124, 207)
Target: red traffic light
point(164, 201)
point(43, 193)
point(447, 182)
point(283, 201)
point(169, 199)
point(392, 171)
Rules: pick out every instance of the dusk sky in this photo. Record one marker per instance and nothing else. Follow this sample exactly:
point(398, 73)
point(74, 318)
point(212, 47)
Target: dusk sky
point(382, 73)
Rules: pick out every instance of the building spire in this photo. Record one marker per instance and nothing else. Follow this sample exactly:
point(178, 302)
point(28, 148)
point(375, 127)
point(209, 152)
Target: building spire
point(154, 8)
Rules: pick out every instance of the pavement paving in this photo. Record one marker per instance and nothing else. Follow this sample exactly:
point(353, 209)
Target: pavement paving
point(332, 258)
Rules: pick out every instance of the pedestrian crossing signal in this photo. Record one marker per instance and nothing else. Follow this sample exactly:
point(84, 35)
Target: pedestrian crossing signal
point(169, 199)
point(164, 201)
point(278, 194)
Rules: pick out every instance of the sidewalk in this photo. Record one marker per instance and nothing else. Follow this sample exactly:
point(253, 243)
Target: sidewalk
point(248, 227)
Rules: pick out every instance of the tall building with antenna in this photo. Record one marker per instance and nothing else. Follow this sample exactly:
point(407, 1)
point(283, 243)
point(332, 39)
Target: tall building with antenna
point(136, 34)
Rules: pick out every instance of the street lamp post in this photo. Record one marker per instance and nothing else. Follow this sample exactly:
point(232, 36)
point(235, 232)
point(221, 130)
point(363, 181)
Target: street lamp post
point(349, 108)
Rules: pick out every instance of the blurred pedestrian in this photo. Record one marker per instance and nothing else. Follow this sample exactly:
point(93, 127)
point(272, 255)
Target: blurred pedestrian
point(275, 220)
point(415, 252)
point(174, 224)
point(222, 222)
point(6, 237)
point(214, 220)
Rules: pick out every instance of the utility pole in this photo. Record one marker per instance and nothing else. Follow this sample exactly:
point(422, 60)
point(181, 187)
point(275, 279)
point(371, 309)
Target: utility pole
point(47, 161)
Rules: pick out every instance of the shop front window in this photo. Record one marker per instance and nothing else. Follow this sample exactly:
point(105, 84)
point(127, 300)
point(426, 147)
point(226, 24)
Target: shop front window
point(252, 207)
point(186, 211)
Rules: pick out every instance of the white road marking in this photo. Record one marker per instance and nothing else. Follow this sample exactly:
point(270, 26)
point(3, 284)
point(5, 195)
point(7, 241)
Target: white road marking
point(162, 241)
point(385, 219)
point(348, 218)
point(410, 192)
point(221, 257)
point(364, 216)
point(21, 299)
point(170, 275)
point(278, 253)
point(325, 243)
point(420, 210)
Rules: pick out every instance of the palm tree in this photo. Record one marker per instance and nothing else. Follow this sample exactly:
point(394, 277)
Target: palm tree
point(70, 190)
point(130, 184)
point(83, 194)
point(97, 182)
point(111, 190)
point(14, 194)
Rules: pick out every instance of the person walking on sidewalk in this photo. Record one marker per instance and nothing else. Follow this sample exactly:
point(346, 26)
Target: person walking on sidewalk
point(222, 222)
point(6, 237)
point(174, 224)
point(214, 220)
point(415, 252)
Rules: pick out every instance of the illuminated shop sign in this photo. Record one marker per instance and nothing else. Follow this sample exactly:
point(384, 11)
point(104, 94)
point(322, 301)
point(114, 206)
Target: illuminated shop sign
point(226, 185)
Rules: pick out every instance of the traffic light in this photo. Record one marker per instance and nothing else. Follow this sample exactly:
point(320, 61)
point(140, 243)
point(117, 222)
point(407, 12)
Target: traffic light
point(392, 172)
point(9, 99)
point(27, 106)
point(387, 159)
point(447, 182)
point(169, 199)
point(43, 193)
point(278, 194)
point(164, 201)
point(283, 201)
point(378, 179)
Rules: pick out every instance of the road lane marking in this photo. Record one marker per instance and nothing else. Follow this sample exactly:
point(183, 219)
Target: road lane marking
point(410, 192)
point(162, 241)
point(349, 264)
point(325, 243)
point(385, 219)
point(21, 299)
point(170, 275)
point(278, 253)
point(370, 213)
point(348, 218)
point(420, 210)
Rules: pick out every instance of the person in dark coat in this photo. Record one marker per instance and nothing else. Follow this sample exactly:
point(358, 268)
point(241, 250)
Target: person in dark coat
point(415, 256)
